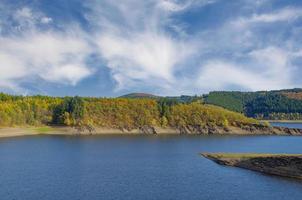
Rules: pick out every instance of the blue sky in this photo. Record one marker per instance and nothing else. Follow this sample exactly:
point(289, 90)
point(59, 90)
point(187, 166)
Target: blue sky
point(165, 47)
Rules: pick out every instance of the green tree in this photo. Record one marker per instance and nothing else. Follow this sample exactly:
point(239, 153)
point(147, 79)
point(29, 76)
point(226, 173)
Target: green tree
point(69, 112)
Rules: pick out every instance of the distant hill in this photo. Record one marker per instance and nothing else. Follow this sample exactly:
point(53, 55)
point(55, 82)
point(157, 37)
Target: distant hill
point(167, 99)
point(273, 105)
point(140, 96)
point(276, 104)
point(293, 93)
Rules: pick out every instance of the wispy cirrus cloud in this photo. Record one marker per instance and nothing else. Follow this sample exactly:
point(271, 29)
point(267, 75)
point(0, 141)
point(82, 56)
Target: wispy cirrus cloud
point(136, 46)
point(49, 55)
point(283, 15)
point(177, 6)
point(163, 46)
point(142, 57)
point(252, 52)
point(266, 68)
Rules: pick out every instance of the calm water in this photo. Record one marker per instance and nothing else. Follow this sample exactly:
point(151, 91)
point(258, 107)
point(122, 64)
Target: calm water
point(139, 167)
point(289, 125)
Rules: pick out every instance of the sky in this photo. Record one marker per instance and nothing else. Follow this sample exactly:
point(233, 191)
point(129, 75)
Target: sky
point(164, 47)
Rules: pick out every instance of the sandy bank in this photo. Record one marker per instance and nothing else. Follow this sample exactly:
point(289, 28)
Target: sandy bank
point(188, 130)
point(14, 132)
point(29, 131)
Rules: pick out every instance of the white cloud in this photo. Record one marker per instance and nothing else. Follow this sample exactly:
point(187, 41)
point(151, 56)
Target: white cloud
point(143, 56)
point(134, 40)
point(27, 19)
point(23, 13)
point(297, 54)
point(46, 20)
point(31, 53)
point(242, 55)
point(257, 3)
point(175, 6)
point(70, 73)
point(285, 14)
point(218, 75)
point(10, 67)
point(54, 57)
point(275, 59)
point(268, 69)
point(135, 45)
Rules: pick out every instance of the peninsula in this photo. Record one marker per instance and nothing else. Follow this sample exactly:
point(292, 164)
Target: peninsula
point(286, 165)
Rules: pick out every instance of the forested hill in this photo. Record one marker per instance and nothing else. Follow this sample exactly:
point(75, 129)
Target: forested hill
point(129, 112)
point(140, 96)
point(176, 99)
point(119, 113)
point(277, 104)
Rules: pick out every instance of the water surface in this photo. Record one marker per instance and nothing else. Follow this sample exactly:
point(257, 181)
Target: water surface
point(139, 167)
point(286, 124)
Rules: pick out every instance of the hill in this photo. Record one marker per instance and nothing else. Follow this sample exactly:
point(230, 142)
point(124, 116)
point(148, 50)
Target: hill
point(119, 113)
point(140, 96)
point(172, 99)
point(292, 94)
point(277, 104)
point(37, 110)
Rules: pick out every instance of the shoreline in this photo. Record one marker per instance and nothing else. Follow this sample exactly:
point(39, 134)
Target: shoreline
point(285, 165)
point(282, 121)
point(6, 132)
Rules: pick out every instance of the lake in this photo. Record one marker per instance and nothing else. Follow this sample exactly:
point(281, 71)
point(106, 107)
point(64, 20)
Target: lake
point(139, 167)
point(289, 125)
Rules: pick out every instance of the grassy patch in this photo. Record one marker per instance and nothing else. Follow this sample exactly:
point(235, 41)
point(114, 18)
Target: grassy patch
point(44, 129)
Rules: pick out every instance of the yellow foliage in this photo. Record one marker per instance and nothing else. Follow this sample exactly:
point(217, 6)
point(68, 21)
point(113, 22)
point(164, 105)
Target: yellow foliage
point(200, 114)
point(119, 113)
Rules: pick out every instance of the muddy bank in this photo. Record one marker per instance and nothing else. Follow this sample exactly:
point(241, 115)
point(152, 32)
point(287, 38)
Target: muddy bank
point(286, 165)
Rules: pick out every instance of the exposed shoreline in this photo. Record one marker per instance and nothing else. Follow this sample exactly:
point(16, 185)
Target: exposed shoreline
point(286, 165)
point(188, 130)
point(70, 131)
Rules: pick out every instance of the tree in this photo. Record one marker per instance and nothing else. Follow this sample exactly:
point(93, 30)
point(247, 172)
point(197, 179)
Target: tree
point(69, 112)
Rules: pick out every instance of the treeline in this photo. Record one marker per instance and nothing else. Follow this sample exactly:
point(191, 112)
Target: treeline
point(280, 116)
point(276, 105)
point(18, 110)
point(235, 101)
point(271, 104)
point(120, 113)
point(196, 114)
